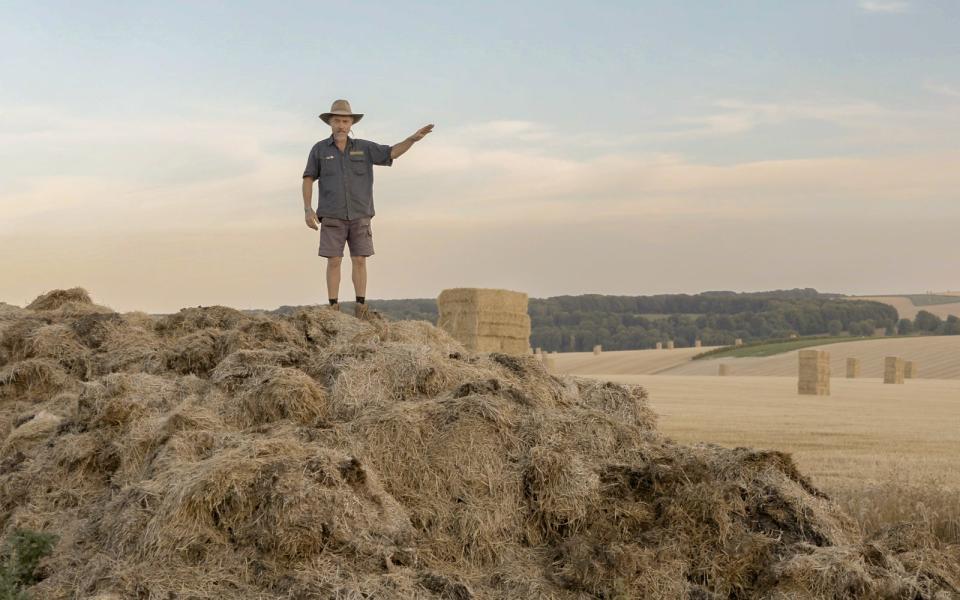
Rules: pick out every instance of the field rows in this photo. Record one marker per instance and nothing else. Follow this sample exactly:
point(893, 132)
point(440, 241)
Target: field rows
point(936, 357)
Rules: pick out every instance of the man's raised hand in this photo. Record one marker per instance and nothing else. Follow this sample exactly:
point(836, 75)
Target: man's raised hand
point(422, 132)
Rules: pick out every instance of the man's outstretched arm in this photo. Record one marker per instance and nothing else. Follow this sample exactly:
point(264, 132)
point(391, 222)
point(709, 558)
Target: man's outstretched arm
point(397, 149)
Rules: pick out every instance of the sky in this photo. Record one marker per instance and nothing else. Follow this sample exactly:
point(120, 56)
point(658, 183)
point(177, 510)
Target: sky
point(153, 152)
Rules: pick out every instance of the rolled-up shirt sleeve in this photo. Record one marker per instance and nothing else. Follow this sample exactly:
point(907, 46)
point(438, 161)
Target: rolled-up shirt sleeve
point(380, 154)
point(313, 165)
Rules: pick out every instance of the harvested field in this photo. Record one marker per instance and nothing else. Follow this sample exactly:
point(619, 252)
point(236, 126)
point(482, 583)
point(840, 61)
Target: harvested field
point(936, 357)
point(908, 310)
point(861, 432)
point(624, 362)
point(318, 456)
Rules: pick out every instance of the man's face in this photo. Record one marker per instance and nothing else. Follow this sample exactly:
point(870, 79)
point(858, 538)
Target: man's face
point(341, 126)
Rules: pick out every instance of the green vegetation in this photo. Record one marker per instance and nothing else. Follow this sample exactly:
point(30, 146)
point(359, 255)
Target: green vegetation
point(19, 560)
point(771, 347)
point(577, 323)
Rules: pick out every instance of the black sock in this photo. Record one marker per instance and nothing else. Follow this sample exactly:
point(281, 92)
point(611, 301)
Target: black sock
point(333, 301)
point(361, 299)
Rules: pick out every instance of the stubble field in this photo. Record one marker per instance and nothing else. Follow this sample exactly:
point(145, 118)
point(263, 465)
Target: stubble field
point(887, 452)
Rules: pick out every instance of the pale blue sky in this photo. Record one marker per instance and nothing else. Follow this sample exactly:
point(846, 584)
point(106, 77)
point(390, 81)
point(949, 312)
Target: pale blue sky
point(134, 119)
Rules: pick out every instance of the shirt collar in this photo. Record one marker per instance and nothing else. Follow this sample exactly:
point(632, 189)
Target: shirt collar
point(331, 142)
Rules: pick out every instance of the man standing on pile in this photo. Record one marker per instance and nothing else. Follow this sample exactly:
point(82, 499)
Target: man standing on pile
point(343, 168)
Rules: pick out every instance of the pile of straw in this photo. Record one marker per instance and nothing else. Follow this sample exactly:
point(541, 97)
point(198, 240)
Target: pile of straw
point(211, 454)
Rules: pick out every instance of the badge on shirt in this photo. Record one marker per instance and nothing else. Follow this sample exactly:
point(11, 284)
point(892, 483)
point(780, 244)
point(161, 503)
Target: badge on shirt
point(356, 153)
point(329, 157)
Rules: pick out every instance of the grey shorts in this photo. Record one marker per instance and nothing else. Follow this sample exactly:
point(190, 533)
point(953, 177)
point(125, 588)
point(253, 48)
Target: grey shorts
point(334, 233)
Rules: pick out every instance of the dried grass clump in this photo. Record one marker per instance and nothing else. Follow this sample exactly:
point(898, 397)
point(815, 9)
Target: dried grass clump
point(213, 455)
point(194, 319)
point(60, 344)
point(277, 393)
point(33, 379)
point(131, 348)
point(36, 427)
point(54, 299)
point(200, 351)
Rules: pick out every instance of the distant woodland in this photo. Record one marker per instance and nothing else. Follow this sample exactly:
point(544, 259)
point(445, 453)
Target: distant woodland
point(577, 323)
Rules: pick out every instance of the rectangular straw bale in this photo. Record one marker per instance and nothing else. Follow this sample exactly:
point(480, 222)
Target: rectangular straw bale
point(670, 345)
point(473, 299)
point(909, 369)
point(814, 373)
point(486, 320)
point(853, 368)
point(597, 349)
point(893, 370)
point(738, 342)
point(698, 344)
point(659, 345)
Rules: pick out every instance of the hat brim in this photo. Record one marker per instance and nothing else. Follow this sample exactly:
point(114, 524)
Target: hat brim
point(325, 117)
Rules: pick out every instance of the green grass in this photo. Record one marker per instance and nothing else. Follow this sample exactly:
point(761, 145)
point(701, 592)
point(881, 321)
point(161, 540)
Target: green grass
point(19, 559)
point(661, 316)
point(771, 347)
point(931, 299)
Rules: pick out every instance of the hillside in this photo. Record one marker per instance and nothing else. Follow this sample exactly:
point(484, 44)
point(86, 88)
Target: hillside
point(936, 357)
point(213, 454)
point(907, 307)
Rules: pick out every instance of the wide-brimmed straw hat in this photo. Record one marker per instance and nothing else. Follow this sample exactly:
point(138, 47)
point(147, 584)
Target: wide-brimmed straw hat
point(340, 108)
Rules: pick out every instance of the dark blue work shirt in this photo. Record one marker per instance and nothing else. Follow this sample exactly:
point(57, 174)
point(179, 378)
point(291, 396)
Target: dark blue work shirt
point(345, 179)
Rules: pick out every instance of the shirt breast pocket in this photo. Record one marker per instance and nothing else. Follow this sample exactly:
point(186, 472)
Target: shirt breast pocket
point(358, 164)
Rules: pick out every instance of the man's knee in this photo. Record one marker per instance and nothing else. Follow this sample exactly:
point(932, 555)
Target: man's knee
point(333, 262)
point(359, 261)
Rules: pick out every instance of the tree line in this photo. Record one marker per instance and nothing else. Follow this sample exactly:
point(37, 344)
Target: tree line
point(577, 323)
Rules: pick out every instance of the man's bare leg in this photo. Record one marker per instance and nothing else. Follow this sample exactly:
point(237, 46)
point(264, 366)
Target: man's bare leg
point(359, 275)
point(333, 276)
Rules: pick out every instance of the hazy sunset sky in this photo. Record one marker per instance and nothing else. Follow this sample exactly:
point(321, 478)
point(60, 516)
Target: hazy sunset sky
point(153, 152)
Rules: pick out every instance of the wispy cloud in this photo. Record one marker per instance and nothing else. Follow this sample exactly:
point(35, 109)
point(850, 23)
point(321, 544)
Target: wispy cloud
point(884, 6)
point(943, 89)
point(731, 116)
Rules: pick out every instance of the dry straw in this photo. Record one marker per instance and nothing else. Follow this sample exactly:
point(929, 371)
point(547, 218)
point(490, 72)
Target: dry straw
point(853, 368)
point(814, 373)
point(210, 454)
point(893, 370)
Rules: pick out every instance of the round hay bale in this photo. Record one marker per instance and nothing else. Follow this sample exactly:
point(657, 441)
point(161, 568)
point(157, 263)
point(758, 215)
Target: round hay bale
point(56, 298)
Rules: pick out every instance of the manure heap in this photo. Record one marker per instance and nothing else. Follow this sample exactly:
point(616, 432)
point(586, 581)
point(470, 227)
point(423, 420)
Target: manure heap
point(210, 454)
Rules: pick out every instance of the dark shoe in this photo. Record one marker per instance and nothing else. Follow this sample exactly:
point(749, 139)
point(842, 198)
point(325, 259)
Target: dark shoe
point(335, 307)
point(361, 311)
